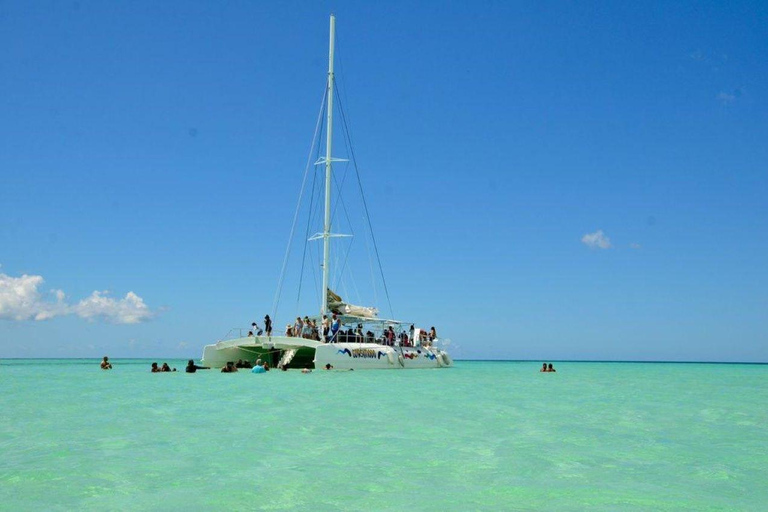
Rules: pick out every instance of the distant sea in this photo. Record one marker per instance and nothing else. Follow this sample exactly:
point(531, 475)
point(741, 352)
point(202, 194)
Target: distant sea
point(480, 436)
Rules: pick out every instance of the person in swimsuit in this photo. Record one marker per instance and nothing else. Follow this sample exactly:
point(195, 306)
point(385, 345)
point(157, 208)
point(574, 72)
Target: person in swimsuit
point(105, 364)
point(543, 367)
point(298, 327)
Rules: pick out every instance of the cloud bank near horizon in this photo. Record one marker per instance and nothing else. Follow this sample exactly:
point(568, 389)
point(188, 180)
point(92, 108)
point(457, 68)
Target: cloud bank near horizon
point(21, 299)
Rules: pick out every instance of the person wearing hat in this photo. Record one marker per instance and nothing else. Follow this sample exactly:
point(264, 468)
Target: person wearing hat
point(268, 325)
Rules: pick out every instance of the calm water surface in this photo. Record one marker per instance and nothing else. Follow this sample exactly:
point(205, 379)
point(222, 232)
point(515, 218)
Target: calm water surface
point(480, 436)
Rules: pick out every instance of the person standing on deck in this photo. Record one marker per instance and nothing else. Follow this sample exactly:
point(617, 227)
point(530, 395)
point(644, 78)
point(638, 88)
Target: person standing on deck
point(326, 327)
point(268, 325)
point(335, 325)
point(298, 327)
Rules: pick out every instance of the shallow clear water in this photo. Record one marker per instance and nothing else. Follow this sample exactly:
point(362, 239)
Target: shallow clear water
point(480, 436)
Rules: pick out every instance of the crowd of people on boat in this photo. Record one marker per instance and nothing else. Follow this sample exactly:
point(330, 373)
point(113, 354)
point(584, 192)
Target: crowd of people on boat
point(329, 330)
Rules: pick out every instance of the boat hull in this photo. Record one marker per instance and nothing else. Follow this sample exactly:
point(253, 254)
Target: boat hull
point(372, 356)
point(267, 348)
point(341, 356)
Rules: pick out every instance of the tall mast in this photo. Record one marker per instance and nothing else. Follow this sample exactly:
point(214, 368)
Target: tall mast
point(328, 161)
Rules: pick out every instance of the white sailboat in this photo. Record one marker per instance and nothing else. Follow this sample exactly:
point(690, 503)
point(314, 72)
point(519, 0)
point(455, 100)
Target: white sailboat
point(357, 338)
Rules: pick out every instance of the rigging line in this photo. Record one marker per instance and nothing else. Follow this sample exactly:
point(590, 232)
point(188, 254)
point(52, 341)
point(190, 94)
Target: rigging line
point(352, 231)
point(343, 206)
point(304, 253)
point(315, 222)
point(276, 301)
point(344, 265)
point(354, 285)
point(339, 188)
point(309, 217)
point(365, 206)
point(342, 89)
point(348, 144)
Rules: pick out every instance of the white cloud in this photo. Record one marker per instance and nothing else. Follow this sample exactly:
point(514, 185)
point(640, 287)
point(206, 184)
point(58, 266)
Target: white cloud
point(21, 299)
point(596, 240)
point(129, 310)
point(635, 245)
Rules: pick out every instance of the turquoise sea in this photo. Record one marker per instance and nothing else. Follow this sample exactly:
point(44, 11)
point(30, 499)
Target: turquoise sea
point(480, 436)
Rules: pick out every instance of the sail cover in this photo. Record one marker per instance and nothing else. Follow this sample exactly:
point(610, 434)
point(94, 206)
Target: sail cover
point(337, 305)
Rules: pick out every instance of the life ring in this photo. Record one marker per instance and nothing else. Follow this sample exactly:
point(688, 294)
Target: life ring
point(391, 358)
point(400, 360)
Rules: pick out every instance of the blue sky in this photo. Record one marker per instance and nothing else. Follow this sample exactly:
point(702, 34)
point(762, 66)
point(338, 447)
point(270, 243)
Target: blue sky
point(158, 149)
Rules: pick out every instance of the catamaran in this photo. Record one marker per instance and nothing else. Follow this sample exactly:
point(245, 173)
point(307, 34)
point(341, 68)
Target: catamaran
point(342, 336)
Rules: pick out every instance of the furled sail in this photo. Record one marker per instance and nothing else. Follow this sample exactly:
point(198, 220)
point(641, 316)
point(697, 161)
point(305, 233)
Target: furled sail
point(337, 305)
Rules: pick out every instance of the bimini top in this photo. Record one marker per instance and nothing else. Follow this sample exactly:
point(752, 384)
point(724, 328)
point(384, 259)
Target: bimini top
point(337, 305)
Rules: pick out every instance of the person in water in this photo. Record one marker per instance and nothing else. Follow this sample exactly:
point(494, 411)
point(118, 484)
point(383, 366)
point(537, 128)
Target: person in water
point(329, 366)
point(192, 367)
point(543, 367)
point(167, 368)
point(154, 368)
point(105, 364)
point(229, 368)
point(550, 369)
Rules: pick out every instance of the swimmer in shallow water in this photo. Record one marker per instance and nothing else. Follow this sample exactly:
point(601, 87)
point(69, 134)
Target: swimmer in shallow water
point(550, 369)
point(105, 364)
point(543, 367)
point(192, 367)
point(229, 368)
point(329, 366)
point(155, 369)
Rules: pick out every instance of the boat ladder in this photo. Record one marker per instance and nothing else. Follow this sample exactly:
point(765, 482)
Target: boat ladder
point(287, 357)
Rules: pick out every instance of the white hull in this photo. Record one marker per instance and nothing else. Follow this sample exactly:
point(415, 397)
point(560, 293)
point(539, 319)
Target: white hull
point(342, 356)
point(373, 356)
point(251, 348)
